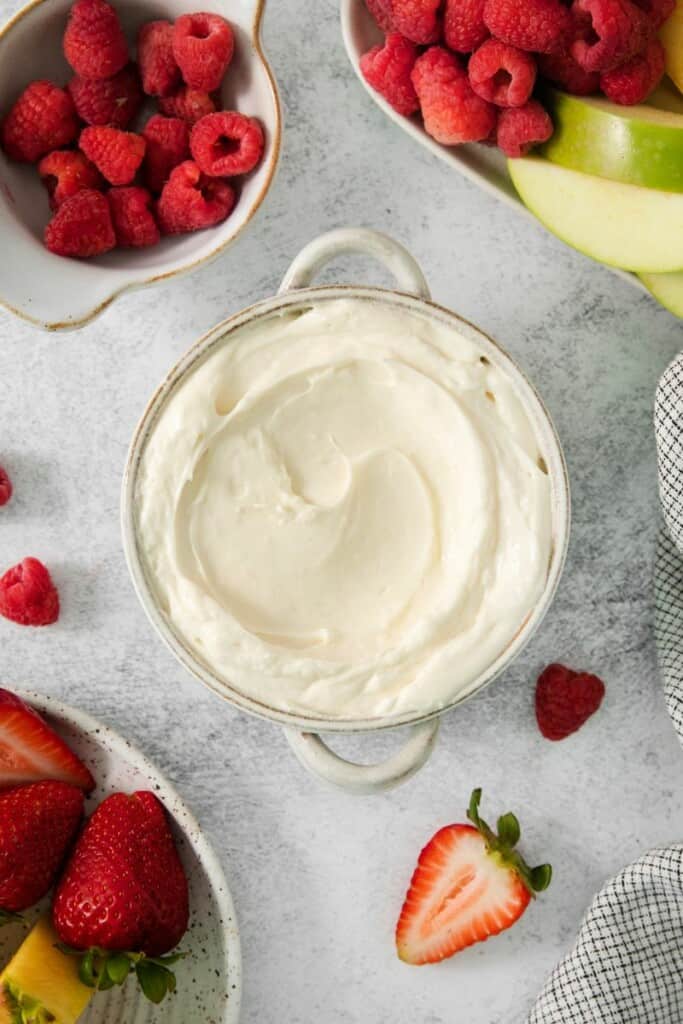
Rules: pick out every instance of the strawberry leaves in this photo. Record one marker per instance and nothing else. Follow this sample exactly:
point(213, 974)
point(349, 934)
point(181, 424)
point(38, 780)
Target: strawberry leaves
point(502, 845)
point(101, 969)
point(7, 917)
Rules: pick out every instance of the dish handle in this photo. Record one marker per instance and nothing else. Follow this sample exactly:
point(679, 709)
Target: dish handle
point(319, 760)
point(386, 250)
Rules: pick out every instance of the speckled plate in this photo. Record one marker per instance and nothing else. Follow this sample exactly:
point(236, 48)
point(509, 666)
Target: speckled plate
point(209, 979)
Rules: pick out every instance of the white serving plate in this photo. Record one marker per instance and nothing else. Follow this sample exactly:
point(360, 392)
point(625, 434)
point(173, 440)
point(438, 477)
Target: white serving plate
point(62, 294)
point(484, 165)
point(209, 979)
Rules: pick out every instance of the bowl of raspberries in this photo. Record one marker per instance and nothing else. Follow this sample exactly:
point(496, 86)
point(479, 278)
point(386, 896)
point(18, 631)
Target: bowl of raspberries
point(136, 142)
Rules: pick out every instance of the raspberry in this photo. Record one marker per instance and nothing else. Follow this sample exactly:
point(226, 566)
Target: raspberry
point(563, 70)
point(203, 46)
point(387, 69)
point(417, 20)
point(381, 12)
point(158, 69)
point(42, 119)
point(191, 201)
point(565, 700)
point(116, 154)
point(168, 144)
point(81, 226)
point(520, 128)
point(134, 223)
point(633, 81)
point(658, 10)
point(451, 110)
point(619, 30)
point(463, 26)
point(543, 26)
point(189, 104)
point(65, 172)
point(94, 43)
point(5, 487)
point(28, 595)
point(114, 101)
point(226, 143)
point(502, 74)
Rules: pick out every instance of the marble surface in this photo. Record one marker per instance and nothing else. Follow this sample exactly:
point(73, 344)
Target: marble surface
point(318, 877)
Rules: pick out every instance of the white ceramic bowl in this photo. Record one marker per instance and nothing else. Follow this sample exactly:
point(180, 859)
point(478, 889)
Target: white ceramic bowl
point(209, 980)
point(295, 291)
point(57, 293)
point(486, 166)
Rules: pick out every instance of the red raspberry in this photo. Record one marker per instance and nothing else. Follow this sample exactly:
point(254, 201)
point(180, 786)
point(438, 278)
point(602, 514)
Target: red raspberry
point(65, 172)
point(417, 20)
point(191, 201)
point(521, 128)
point(565, 700)
point(158, 69)
point(502, 74)
point(42, 119)
point(203, 45)
point(28, 595)
point(5, 487)
point(543, 26)
point(114, 101)
point(168, 144)
point(189, 104)
point(131, 214)
point(116, 154)
point(451, 110)
point(633, 81)
point(381, 12)
point(81, 226)
point(658, 10)
point(387, 69)
point(463, 26)
point(94, 43)
point(563, 70)
point(619, 30)
point(226, 143)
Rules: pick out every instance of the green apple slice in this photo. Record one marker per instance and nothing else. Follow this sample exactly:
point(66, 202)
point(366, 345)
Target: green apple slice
point(640, 145)
point(625, 226)
point(667, 289)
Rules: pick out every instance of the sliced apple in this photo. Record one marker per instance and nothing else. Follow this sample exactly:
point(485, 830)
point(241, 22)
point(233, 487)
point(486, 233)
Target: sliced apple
point(641, 145)
point(671, 34)
point(667, 289)
point(41, 983)
point(625, 226)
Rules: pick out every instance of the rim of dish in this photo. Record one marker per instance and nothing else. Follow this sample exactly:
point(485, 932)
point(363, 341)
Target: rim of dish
point(171, 798)
point(197, 353)
point(69, 325)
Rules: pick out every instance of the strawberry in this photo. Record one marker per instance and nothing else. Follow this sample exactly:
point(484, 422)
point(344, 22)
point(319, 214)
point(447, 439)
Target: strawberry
point(37, 825)
point(122, 901)
point(469, 884)
point(565, 700)
point(31, 751)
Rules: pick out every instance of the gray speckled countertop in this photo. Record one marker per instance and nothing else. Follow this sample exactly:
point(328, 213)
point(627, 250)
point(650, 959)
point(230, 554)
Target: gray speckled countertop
point(318, 877)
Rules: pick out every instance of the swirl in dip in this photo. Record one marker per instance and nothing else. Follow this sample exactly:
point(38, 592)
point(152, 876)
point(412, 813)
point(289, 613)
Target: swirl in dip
point(345, 512)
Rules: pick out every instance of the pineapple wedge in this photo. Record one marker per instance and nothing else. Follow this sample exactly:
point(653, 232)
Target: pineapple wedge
point(40, 983)
point(671, 34)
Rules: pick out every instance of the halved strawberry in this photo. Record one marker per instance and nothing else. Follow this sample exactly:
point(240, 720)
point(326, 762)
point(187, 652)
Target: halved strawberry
point(469, 884)
point(30, 751)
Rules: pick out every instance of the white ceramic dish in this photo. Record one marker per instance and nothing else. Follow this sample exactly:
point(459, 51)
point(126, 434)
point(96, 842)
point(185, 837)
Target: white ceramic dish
point(209, 980)
point(60, 294)
point(484, 165)
point(295, 292)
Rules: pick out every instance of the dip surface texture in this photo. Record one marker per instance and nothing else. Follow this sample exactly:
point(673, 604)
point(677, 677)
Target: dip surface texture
point(342, 511)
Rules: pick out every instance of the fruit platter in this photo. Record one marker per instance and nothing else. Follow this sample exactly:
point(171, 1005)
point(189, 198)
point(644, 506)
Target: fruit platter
point(584, 132)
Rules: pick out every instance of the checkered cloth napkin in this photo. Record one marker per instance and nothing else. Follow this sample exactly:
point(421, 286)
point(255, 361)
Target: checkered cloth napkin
point(627, 964)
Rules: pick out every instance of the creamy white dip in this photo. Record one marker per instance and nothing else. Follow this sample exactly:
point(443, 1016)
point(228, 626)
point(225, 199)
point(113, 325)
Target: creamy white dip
point(345, 511)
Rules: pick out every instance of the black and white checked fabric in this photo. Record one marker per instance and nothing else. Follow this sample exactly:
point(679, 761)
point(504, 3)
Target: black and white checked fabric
point(627, 964)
